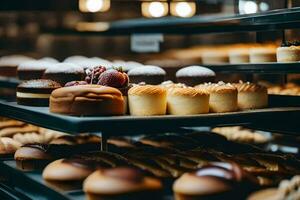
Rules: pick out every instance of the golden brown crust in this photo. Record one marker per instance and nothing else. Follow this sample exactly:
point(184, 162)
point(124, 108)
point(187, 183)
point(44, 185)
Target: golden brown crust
point(190, 92)
point(219, 88)
point(119, 181)
point(249, 87)
point(9, 132)
point(147, 90)
point(8, 145)
point(87, 100)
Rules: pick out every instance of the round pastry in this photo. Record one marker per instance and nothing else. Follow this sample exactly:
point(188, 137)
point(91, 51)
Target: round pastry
point(147, 100)
point(9, 64)
point(212, 182)
point(75, 59)
point(262, 54)
point(49, 60)
point(32, 69)
point(187, 101)
point(223, 97)
point(251, 96)
point(288, 189)
point(122, 183)
point(288, 52)
point(64, 73)
point(238, 56)
point(87, 100)
point(212, 57)
point(67, 170)
point(194, 75)
point(8, 146)
point(149, 74)
point(36, 92)
point(32, 156)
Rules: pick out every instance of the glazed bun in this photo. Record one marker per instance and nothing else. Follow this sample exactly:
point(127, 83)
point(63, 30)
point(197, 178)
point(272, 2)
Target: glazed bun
point(122, 183)
point(87, 100)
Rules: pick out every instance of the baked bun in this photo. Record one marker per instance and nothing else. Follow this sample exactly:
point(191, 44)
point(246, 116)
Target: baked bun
point(10, 131)
point(32, 156)
point(217, 181)
point(36, 92)
point(66, 170)
point(147, 100)
point(32, 69)
point(223, 97)
point(187, 101)
point(9, 64)
point(87, 100)
point(64, 73)
point(262, 54)
point(288, 189)
point(289, 52)
point(8, 146)
point(239, 56)
point(194, 75)
point(213, 56)
point(251, 96)
point(149, 74)
point(122, 183)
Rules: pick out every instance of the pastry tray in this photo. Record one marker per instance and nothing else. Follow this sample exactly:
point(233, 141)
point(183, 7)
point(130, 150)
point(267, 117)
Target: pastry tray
point(32, 185)
point(133, 125)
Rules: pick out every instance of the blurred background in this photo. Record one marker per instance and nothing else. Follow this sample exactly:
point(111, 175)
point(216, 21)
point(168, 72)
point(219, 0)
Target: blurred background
point(56, 27)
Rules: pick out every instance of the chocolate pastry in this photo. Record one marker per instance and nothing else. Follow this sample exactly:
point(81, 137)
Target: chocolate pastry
point(122, 184)
point(36, 92)
point(170, 141)
point(215, 181)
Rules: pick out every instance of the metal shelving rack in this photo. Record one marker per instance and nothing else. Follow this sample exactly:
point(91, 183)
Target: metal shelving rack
point(267, 119)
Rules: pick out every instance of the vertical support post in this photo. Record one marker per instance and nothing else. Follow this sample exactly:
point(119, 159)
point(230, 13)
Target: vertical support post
point(103, 141)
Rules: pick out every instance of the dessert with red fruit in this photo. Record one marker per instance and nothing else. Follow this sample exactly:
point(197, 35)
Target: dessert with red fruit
point(112, 77)
point(92, 75)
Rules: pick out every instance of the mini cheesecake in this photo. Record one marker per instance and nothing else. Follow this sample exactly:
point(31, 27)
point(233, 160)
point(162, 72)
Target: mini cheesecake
point(36, 92)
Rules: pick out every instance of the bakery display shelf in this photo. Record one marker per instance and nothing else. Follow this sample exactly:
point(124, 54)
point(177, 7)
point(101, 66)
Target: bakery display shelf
point(264, 68)
point(31, 183)
point(132, 125)
point(35, 188)
point(271, 20)
point(6, 82)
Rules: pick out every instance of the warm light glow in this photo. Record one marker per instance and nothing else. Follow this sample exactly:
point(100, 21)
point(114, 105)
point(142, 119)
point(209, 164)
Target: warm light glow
point(248, 7)
point(92, 26)
point(94, 5)
point(154, 9)
point(263, 6)
point(183, 9)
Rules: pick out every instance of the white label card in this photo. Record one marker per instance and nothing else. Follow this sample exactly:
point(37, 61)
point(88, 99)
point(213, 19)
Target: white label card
point(144, 43)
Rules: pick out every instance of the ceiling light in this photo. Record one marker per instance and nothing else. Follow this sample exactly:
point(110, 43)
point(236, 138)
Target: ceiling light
point(94, 5)
point(183, 9)
point(155, 9)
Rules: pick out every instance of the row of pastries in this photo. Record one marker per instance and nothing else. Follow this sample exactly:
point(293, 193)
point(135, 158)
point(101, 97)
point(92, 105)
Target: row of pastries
point(141, 91)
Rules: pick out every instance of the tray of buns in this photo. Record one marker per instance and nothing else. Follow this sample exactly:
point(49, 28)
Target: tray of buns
point(118, 125)
point(72, 167)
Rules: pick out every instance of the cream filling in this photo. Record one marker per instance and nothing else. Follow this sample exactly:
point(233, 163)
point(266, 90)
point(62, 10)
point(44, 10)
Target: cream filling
point(33, 95)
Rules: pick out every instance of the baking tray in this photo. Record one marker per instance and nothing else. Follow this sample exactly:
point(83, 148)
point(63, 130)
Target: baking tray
point(133, 125)
point(34, 187)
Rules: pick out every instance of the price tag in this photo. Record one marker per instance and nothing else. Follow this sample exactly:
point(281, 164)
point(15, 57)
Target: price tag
point(144, 43)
